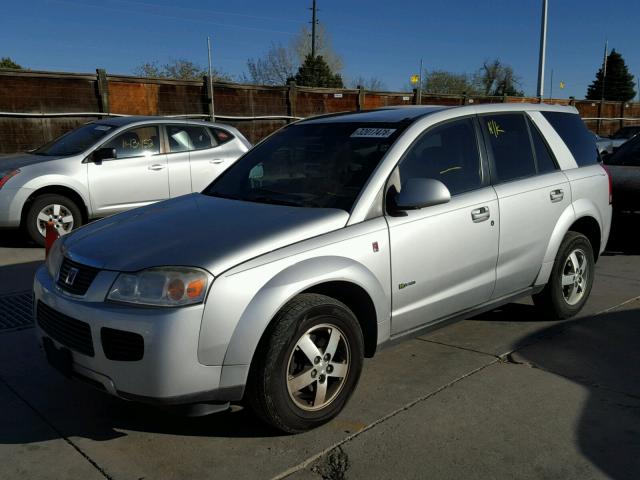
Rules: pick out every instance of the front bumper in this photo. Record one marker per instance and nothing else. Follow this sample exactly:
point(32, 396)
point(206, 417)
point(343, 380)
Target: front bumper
point(169, 371)
point(12, 201)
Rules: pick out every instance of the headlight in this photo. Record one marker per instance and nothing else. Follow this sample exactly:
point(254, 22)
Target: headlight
point(6, 175)
point(161, 287)
point(54, 258)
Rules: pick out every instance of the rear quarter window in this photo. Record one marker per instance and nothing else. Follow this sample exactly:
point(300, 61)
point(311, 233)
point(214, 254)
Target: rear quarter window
point(580, 141)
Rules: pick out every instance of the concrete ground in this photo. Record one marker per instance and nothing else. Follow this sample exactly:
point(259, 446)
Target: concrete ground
point(503, 395)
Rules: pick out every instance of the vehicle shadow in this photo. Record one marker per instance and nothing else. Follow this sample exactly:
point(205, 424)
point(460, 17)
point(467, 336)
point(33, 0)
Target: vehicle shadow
point(15, 238)
point(601, 354)
point(623, 238)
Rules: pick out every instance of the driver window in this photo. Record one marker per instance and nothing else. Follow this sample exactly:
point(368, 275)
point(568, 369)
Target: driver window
point(137, 142)
point(448, 153)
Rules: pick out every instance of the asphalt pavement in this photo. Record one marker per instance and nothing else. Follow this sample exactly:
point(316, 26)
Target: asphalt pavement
point(507, 394)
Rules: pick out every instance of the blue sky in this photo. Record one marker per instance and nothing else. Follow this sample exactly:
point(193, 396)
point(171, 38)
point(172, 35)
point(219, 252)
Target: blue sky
point(375, 38)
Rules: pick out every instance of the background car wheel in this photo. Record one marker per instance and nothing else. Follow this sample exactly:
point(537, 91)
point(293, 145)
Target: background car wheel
point(63, 212)
point(307, 364)
point(571, 279)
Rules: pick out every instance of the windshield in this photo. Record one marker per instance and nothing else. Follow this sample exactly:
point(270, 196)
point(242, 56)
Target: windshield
point(75, 141)
point(321, 165)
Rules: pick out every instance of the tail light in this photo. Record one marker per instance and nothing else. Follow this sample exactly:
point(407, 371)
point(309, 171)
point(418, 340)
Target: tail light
point(610, 184)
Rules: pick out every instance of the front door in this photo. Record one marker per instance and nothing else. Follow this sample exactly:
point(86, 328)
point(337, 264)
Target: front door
point(443, 257)
point(138, 176)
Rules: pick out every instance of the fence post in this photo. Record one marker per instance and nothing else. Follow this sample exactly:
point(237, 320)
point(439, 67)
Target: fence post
point(292, 96)
point(623, 105)
point(599, 123)
point(360, 100)
point(103, 90)
point(207, 94)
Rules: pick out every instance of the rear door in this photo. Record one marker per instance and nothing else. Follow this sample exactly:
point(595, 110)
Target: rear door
point(208, 163)
point(532, 194)
point(443, 257)
point(138, 176)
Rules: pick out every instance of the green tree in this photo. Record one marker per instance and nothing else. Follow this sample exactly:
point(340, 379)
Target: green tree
point(6, 62)
point(180, 69)
point(618, 83)
point(315, 72)
point(441, 81)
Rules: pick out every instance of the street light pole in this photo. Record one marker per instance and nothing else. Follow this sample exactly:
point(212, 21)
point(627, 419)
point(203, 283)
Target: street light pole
point(543, 48)
point(213, 115)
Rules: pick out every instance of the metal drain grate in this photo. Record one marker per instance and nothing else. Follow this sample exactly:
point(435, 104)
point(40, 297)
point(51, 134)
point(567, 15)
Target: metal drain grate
point(16, 311)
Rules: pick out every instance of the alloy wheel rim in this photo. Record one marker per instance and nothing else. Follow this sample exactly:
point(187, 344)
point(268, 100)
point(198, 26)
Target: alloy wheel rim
point(318, 367)
point(575, 276)
point(60, 215)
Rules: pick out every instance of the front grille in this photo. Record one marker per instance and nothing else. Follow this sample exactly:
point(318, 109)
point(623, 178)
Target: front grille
point(121, 345)
point(83, 278)
point(68, 331)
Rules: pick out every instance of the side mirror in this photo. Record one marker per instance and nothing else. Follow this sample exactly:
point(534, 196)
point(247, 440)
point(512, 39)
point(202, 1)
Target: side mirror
point(419, 193)
point(104, 154)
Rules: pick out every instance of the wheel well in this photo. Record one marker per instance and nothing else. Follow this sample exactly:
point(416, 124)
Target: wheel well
point(589, 227)
point(57, 190)
point(360, 303)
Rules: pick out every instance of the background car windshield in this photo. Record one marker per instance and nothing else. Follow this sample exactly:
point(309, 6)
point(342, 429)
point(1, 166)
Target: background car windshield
point(309, 165)
point(75, 141)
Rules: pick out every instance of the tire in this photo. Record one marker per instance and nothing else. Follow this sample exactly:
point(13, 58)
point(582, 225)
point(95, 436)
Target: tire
point(63, 211)
point(285, 353)
point(558, 301)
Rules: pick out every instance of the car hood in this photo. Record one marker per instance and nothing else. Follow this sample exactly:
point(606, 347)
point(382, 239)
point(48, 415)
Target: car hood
point(196, 230)
point(20, 160)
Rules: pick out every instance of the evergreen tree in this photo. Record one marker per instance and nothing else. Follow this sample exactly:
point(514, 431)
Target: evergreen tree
point(6, 62)
point(618, 84)
point(315, 72)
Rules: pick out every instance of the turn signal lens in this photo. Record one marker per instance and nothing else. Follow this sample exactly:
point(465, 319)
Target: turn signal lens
point(195, 288)
point(161, 287)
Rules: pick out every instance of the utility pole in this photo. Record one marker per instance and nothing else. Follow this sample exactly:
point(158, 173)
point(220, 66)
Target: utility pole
point(419, 92)
point(604, 68)
point(213, 115)
point(543, 49)
point(314, 21)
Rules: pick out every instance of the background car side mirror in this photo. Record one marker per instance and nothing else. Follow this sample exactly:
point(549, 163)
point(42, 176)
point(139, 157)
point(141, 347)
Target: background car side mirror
point(104, 154)
point(419, 193)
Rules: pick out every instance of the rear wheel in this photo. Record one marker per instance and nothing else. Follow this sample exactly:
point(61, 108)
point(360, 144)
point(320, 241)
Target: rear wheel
point(60, 210)
point(307, 365)
point(571, 279)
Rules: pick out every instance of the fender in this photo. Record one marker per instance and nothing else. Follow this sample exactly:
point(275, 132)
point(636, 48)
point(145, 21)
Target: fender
point(567, 218)
point(289, 283)
point(585, 207)
point(64, 181)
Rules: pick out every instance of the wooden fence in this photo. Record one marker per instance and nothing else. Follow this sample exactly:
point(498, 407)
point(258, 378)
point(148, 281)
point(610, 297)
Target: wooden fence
point(38, 106)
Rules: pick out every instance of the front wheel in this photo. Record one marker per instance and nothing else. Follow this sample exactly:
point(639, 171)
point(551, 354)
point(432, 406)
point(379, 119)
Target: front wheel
point(571, 279)
point(307, 365)
point(60, 210)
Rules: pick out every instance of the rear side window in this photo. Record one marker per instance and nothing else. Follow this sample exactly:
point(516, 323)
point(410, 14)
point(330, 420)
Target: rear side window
point(221, 136)
point(184, 138)
point(510, 146)
point(544, 158)
point(575, 135)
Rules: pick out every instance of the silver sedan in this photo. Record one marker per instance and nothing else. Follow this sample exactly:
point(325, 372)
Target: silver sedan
point(112, 165)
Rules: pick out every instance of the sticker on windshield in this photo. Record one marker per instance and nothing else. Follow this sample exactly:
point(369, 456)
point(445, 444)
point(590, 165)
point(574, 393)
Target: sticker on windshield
point(103, 128)
point(373, 132)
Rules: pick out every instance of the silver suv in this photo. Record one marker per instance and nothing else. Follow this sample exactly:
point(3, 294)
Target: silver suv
point(110, 166)
point(334, 237)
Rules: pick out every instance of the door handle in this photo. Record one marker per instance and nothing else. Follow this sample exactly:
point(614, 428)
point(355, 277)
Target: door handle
point(217, 161)
point(156, 166)
point(480, 214)
point(556, 195)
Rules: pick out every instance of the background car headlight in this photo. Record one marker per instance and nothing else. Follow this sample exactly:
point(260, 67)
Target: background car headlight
point(6, 175)
point(54, 258)
point(161, 286)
